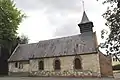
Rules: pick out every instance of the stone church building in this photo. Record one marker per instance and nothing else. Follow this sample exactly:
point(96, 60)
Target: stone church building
point(72, 56)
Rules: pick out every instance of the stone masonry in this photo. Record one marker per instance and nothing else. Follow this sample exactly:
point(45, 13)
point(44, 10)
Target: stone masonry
point(90, 66)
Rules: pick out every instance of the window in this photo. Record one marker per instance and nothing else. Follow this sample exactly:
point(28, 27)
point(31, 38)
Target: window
point(20, 66)
point(76, 45)
point(16, 64)
point(41, 65)
point(57, 65)
point(77, 63)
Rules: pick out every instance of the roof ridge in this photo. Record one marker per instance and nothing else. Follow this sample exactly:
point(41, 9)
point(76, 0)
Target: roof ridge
point(60, 37)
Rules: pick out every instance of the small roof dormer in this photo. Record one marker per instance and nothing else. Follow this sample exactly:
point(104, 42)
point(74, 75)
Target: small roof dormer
point(85, 25)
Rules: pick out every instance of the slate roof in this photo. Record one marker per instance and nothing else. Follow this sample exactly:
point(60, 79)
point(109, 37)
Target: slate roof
point(23, 52)
point(78, 44)
point(84, 18)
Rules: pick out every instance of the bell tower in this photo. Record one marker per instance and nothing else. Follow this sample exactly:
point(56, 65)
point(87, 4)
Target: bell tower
point(85, 25)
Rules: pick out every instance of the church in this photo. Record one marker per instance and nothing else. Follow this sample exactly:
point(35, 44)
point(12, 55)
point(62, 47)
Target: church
point(72, 56)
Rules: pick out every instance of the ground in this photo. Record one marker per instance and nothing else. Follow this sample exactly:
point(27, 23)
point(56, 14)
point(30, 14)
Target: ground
point(52, 78)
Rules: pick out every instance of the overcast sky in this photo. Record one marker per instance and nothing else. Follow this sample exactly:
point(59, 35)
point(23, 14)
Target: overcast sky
point(56, 18)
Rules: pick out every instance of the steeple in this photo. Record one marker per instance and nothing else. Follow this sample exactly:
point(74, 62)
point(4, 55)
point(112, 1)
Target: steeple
point(84, 18)
point(85, 25)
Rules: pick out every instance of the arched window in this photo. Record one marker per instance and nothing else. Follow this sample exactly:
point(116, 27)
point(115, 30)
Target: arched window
point(41, 65)
point(57, 65)
point(77, 63)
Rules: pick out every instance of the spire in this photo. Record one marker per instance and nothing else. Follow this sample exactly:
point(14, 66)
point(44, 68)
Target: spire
point(84, 18)
point(85, 25)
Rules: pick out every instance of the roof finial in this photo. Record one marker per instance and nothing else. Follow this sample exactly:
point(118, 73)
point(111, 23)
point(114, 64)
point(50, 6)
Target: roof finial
point(83, 5)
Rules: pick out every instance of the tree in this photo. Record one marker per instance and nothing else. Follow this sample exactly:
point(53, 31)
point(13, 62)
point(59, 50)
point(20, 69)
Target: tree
point(23, 39)
point(10, 18)
point(112, 15)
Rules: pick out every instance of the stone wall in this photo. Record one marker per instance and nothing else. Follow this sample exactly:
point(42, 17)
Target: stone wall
point(89, 62)
point(25, 68)
point(90, 65)
point(105, 65)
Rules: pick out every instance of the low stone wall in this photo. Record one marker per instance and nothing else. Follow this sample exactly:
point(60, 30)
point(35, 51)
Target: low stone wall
point(70, 73)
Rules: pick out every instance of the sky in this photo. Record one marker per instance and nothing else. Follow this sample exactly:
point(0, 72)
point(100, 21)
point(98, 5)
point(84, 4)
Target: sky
point(47, 19)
